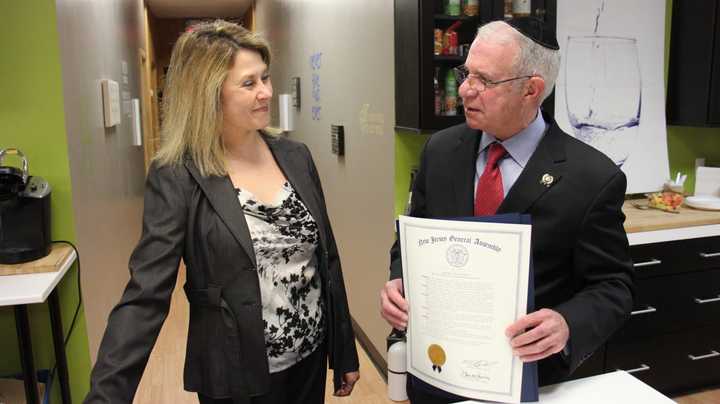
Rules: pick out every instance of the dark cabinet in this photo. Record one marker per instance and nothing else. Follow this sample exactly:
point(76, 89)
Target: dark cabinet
point(693, 97)
point(672, 339)
point(420, 73)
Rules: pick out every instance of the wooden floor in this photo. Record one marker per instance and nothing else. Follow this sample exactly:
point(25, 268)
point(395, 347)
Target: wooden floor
point(162, 381)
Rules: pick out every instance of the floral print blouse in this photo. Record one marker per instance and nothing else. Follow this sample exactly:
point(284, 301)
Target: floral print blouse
point(285, 237)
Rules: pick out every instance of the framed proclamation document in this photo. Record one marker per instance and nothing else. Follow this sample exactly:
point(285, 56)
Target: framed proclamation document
point(466, 281)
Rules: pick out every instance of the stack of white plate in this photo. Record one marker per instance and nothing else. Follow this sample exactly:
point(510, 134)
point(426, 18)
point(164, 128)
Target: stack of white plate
point(706, 202)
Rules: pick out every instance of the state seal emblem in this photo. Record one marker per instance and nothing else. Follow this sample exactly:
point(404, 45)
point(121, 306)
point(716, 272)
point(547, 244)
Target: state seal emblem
point(457, 255)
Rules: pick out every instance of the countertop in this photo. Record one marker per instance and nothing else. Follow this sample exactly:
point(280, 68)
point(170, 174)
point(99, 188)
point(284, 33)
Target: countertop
point(653, 225)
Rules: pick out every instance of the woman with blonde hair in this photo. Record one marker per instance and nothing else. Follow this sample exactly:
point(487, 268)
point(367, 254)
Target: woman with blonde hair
point(245, 211)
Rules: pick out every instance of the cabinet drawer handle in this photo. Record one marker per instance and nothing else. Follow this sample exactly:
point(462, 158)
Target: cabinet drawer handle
point(643, 367)
point(712, 354)
point(649, 309)
point(710, 255)
point(653, 261)
point(711, 300)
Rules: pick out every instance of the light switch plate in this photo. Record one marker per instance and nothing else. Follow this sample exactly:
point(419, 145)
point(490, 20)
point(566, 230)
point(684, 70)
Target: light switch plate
point(111, 102)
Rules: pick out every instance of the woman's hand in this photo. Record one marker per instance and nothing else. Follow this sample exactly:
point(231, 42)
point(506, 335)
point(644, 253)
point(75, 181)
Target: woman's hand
point(348, 382)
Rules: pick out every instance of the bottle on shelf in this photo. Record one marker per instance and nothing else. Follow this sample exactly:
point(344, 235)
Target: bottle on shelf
point(508, 9)
point(450, 93)
point(521, 8)
point(471, 8)
point(438, 43)
point(438, 93)
point(450, 39)
point(452, 7)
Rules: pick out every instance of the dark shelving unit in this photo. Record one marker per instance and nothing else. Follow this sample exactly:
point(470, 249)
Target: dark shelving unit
point(416, 63)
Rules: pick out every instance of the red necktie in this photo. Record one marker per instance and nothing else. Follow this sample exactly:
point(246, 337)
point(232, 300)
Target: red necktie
point(489, 192)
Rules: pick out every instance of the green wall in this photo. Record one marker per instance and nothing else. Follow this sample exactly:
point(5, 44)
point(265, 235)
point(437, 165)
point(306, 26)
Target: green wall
point(32, 119)
point(408, 146)
point(685, 144)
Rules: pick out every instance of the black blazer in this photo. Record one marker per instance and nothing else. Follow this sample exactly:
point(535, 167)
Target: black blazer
point(199, 219)
point(579, 246)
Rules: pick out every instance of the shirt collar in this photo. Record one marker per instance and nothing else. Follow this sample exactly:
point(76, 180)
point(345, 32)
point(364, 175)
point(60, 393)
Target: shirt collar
point(521, 145)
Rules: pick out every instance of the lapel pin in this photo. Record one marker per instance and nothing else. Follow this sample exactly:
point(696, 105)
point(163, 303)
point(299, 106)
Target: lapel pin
point(547, 180)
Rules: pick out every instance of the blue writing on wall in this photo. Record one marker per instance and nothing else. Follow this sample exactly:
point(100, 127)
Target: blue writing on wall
point(315, 64)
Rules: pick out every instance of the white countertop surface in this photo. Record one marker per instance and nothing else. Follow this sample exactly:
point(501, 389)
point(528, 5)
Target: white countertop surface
point(32, 288)
point(681, 233)
point(618, 387)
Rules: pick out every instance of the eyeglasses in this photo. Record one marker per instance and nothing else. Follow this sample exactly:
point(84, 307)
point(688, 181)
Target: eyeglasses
point(478, 83)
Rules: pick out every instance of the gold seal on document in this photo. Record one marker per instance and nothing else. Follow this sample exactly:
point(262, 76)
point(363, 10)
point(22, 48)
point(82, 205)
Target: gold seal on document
point(437, 356)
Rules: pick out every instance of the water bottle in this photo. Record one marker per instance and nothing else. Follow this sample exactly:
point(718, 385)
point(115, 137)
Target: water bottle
point(397, 370)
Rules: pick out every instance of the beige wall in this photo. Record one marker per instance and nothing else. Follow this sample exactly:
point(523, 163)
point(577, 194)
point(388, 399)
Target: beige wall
point(96, 39)
point(356, 77)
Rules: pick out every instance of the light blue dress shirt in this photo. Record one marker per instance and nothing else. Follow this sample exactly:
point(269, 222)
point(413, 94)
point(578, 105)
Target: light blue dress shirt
point(520, 148)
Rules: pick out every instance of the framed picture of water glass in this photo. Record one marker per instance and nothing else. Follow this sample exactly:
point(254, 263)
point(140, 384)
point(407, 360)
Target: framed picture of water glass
point(610, 89)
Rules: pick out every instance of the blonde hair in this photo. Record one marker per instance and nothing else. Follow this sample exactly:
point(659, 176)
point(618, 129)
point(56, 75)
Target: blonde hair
point(191, 107)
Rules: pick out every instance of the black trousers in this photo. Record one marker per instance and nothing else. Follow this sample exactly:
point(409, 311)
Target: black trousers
point(302, 383)
point(420, 396)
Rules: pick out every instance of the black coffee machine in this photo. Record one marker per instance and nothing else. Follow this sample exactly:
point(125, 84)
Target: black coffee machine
point(24, 213)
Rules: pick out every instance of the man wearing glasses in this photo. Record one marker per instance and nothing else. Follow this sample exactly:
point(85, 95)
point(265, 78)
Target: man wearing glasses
point(510, 157)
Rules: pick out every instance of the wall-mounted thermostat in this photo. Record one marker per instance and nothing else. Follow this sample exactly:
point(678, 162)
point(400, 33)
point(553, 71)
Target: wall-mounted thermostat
point(338, 139)
point(295, 91)
point(111, 102)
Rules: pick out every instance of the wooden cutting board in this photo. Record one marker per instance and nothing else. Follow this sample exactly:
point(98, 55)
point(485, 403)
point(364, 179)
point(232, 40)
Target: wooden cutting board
point(49, 263)
point(638, 220)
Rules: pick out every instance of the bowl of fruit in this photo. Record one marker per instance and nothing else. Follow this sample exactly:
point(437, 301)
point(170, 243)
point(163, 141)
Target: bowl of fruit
point(667, 201)
point(671, 197)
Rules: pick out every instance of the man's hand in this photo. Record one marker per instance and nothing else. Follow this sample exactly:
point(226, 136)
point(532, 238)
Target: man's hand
point(538, 335)
point(348, 382)
point(393, 306)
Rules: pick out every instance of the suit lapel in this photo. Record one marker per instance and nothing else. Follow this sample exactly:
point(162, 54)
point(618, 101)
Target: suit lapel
point(296, 169)
point(544, 170)
point(463, 171)
point(223, 198)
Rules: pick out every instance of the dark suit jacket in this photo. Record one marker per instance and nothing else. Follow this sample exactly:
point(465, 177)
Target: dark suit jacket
point(199, 219)
point(579, 247)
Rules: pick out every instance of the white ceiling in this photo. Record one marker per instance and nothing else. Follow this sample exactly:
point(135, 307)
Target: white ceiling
point(198, 8)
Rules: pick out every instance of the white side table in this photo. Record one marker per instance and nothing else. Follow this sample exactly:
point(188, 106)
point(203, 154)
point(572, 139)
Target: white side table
point(21, 290)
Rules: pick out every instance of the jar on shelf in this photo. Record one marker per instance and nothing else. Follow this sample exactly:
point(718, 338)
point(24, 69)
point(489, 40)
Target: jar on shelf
point(508, 13)
point(452, 7)
point(438, 42)
point(521, 8)
point(471, 8)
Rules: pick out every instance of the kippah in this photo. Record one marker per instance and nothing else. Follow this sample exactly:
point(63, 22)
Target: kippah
point(535, 29)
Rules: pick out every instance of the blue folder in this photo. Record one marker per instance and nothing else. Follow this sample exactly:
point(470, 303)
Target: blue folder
point(529, 390)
